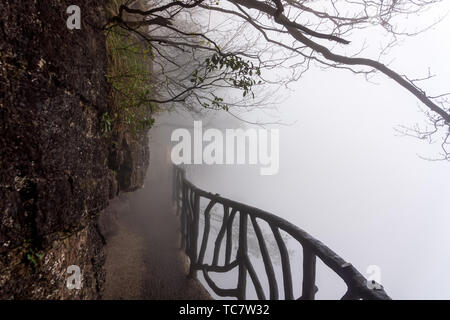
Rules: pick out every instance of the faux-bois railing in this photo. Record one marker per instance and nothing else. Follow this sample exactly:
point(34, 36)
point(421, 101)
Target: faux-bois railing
point(187, 197)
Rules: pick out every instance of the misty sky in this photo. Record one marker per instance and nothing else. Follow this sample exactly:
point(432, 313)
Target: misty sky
point(349, 179)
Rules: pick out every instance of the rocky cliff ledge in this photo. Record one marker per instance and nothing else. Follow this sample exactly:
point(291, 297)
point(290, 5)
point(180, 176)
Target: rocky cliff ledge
point(57, 170)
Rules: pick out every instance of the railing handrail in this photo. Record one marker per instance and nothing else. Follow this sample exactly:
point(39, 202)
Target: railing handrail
point(357, 284)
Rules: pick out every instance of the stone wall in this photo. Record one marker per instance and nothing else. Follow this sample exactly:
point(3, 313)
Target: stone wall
point(57, 170)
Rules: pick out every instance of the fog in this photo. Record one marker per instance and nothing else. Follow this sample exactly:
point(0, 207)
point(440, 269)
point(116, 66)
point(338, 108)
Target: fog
point(346, 176)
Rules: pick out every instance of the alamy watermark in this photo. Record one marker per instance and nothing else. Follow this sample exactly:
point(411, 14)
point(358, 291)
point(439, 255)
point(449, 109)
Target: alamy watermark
point(74, 281)
point(235, 146)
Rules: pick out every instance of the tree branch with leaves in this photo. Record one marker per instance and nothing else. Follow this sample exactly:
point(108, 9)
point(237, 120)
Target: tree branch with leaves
point(198, 61)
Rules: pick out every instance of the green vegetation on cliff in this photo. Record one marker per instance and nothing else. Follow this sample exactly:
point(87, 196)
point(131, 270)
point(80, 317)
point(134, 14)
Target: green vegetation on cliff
point(129, 74)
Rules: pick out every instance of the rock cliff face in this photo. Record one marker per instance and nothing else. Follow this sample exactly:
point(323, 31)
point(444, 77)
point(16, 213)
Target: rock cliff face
point(57, 170)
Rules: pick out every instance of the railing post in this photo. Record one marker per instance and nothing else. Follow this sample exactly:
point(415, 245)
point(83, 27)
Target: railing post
point(309, 274)
point(194, 237)
point(184, 244)
point(312, 249)
point(242, 256)
point(178, 181)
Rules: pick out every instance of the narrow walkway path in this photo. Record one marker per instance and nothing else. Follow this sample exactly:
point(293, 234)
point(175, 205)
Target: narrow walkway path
point(143, 259)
